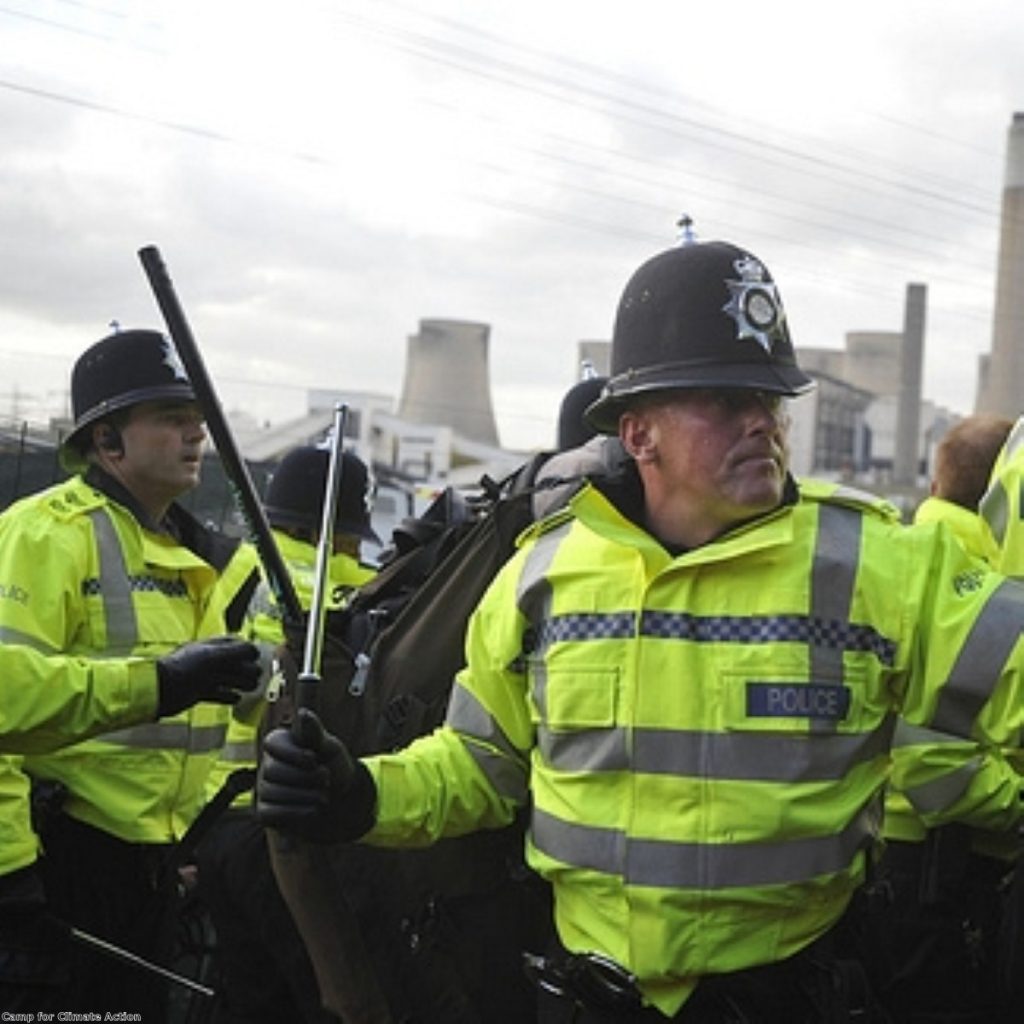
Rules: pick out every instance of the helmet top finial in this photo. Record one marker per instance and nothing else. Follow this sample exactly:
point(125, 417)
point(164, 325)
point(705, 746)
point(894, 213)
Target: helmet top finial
point(687, 236)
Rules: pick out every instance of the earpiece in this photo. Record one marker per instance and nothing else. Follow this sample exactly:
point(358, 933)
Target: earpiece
point(109, 439)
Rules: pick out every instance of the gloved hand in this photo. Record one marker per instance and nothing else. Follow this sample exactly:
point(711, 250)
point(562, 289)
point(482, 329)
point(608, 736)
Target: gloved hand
point(219, 670)
point(310, 786)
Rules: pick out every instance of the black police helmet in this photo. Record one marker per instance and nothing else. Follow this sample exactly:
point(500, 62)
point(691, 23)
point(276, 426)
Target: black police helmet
point(296, 492)
point(704, 315)
point(119, 371)
point(573, 429)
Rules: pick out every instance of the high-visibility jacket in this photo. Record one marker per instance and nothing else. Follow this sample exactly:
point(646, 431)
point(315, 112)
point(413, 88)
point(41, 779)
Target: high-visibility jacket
point(99, 586)
point(940, 770)
point(1001, 506)
point(344, 574)
point(703, 738)
point(970, 527)
point(81, 698)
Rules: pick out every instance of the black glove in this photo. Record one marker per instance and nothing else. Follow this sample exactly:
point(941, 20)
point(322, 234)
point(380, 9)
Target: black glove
point(216, 670)
point(310, 786)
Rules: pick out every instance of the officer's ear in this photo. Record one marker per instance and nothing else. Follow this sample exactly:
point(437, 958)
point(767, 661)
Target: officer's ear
point(638, 433)
point(107, 438)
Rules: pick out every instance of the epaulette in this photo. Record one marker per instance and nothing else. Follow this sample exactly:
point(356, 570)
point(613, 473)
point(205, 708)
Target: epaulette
point(68, 500)
point(850, 497)
point(545, 525)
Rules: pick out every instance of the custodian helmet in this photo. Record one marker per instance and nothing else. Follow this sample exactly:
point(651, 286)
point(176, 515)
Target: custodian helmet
point(704, 315)
point(573, 429)
point(296, 492)
point(121, 370)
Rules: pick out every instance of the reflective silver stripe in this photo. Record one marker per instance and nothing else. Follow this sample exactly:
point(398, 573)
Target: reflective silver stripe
point(981, 660)
point(115, 586)
point(238, 752)
point(909, 735)
point(1016, 439)
point(506, 767)
point(533, 589)
point(590, 750)
point(14, 636)
point(941, 793)
point(508, 778)
point(533, 598)
point(170, 736)
point(467, 715)
point(755, 756)
point(844, 493)
point(833, 571)
point(995, 510)
point(746, 756)
point(703, 866)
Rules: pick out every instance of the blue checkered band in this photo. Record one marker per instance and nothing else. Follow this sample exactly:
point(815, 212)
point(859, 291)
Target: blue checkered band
point(146, 584)
point(804, 629)
point(586, 626)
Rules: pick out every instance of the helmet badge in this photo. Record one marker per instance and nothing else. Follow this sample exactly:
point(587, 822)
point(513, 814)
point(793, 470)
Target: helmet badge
point(172, 361)
point(754, 304)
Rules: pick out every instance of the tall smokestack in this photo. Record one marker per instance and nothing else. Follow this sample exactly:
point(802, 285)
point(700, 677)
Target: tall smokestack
point(447, 382)
point(907, 455)
point(1003, 390)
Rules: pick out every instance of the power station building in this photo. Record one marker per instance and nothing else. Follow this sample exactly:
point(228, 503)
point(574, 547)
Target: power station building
point(1001, 372)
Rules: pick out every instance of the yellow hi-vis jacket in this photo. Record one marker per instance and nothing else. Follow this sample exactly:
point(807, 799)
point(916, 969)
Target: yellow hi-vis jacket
point(97, 585)
point(703, 739)
point(344, 574)
point(948, 779)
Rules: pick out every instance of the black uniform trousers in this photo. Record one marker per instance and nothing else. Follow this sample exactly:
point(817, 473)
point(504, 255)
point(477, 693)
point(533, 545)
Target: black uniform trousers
point(119, 892)
point(33, 951)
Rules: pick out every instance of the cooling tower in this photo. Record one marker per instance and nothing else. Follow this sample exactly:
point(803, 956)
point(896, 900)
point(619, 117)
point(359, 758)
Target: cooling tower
point(907, 453)
point(447, 381)
point(1003, 393)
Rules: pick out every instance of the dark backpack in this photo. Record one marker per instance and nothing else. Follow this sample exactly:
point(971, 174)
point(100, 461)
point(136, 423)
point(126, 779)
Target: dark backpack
point(433, 934)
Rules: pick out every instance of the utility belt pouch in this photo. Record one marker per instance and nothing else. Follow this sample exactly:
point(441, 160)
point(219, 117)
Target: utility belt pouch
point(588, 980)
point(46, 802)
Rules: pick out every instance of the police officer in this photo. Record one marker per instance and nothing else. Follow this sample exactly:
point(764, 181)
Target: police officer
point(964, 460)
point(112, 605)
point(950, 831)
point(265, 973)
point(295, 498)
point(573, 428)
point(689, 676)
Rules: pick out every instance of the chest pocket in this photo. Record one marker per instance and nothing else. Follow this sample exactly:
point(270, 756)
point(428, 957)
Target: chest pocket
point(580, 698)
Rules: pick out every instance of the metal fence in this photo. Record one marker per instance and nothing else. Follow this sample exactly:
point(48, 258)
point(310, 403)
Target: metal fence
point(29, 464)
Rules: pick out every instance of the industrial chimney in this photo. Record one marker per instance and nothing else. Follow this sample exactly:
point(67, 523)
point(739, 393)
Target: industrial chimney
point(907, 454)
point(447, 382)
point(1002, 390)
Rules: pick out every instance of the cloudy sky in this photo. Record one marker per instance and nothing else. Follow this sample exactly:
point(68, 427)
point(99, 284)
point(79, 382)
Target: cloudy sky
point(320, 175)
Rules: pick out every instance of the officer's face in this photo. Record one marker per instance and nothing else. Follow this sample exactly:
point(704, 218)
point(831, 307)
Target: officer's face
point(709, 459)
point(162, 447)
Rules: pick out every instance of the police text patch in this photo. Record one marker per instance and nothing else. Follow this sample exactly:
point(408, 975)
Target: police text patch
point(798, 700)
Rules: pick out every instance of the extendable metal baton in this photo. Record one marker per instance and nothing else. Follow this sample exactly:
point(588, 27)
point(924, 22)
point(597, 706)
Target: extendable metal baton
point(109, 949)
point(307, 684)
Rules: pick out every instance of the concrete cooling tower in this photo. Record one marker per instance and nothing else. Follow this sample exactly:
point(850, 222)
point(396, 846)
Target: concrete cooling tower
point(447, 380)
point(1002, 392)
